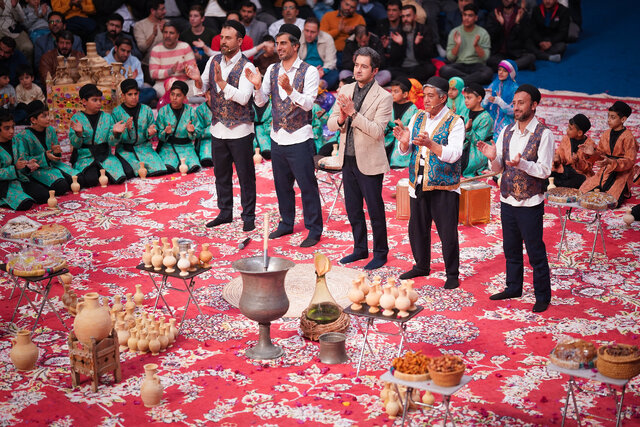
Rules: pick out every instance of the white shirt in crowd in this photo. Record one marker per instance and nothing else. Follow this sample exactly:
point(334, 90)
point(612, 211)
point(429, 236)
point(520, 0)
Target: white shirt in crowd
point(274, 28)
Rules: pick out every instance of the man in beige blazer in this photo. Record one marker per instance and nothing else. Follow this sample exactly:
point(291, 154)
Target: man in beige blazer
point(364, 111)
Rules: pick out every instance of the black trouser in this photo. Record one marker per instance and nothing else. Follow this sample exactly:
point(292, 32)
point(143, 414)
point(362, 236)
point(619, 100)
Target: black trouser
point(226, 153)
point(568, 178)
point(524, 224)
point(89, 177)
point(477, 73)
point(555, 49)
point(36, 191)
point(441, 207)
point(358, 186)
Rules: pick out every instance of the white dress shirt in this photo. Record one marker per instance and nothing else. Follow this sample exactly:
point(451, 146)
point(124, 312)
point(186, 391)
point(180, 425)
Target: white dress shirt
point(274, 28)
point(241, 95)
point(450, 152)
point(539, 169)
point(302, 100)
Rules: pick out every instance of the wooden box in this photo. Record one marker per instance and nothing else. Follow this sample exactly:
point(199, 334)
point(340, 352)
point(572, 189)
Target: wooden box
point(402, 199)
point(475, 203)
point(94, 359)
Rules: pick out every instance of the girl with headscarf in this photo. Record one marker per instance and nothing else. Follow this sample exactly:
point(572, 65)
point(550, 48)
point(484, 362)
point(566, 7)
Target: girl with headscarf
point(455, 102)
point(499, 96)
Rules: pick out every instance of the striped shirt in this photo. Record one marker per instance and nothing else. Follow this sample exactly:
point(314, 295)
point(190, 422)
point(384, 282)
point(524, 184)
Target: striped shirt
point(162, 59)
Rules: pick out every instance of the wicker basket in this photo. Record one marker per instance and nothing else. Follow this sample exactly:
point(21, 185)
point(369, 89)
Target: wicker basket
point(621, 367)
point(410, 377)
point(313, 330)
point(446, 379)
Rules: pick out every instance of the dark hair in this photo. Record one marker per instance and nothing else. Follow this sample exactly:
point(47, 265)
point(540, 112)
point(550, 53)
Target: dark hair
point(312, 20)
point(248, 3)
point(403, 87)
point(360, 31)
point(4, 71)
point(54, 13)
point(290, 1)
point(23, 69)
point(198, 8)
point(123, 40)
point(5, 117)
point(374, 57)
point(395, 3)
point(170, 23)
point(472, 7)
point(155, 4)
point(8, 42)
point(116, 17)
point(268, 38)
point(533, 92)
point(292, 39)
point(65, 34)
point(232, 12)
point(410, 6)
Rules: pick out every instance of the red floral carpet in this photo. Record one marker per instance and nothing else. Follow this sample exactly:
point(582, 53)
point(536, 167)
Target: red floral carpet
point(208, 380)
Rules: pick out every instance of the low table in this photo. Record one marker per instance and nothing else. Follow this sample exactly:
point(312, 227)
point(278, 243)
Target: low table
point(589, 374)
point(334, 179)
point(371, 317)
point(446, 393)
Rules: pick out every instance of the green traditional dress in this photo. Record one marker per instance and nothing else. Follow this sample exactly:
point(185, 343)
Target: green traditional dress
point(398, 160)
point(28, 146)
point(317, 124)
point(135, 145)
point(11, 192)
point(203, 134)
point(262, 138)
point(481, 130)
point(94, 146)
point(178, 144)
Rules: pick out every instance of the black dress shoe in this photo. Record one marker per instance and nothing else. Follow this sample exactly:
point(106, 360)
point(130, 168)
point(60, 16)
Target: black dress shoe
point(414, 272)
point(219, 221)
point(451, 283)
point(279, 232)
point(309, 241)
point(249, 225)
point(353, 257)
point(540, 306)
point(503, 295)
point(375, 263)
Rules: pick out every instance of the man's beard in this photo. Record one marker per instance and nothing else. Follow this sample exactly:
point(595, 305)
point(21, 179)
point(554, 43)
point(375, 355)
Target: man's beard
point(407, 28)
point(112, 34)
point(526, 115)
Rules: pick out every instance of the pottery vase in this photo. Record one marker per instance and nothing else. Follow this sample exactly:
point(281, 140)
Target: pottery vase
point(24, 352)
point(356, 296)
point(129, 303)
point(52, 202)
point(103, 180)
point(123, 335)
point(428, 398)
point(205, 255)
point(146, 256)
point(117, 305)
point(403, 303)
point(174, 330)
point(175, 247)
point(552, 184)
point(183, 168)
point(143, 341)
point(364, 287)
point(154, 343)
point(393, 406)
point(391, 282)
point(75, 186)
point(373, 299)
point(169, 261)
point(257, 158)
point(193, 259)
point(156, 259)
point(384, 393)
point(628, 217)
point(93, 319)
point(66, 278)
point(335, 150)
point(142, 172)
point(387, 301)
point(138, 297)
point(151, 389)
point(184, 264)
point(162, 337)
point(65, 296)
point(132, 342)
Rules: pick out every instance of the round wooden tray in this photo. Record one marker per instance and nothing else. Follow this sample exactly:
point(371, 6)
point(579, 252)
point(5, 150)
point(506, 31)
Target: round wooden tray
point(36, 273)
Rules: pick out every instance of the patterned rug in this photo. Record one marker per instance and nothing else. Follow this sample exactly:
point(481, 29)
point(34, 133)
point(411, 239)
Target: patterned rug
point(208, 380)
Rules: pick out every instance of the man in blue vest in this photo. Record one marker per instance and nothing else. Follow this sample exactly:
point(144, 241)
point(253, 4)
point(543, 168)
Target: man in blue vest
point(524, 154)
point(435, 137)
point(232, 125)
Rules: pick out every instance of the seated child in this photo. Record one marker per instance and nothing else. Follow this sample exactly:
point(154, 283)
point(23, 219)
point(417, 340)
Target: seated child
point(478, 127)
point(329, 138)
point(93, 134)
point(262, 139)
point(615, 154)
point(7, 92)
point(176, 130)
point(499, 95)
point(455, 101)
point(570, 161)
point(26, 91)
point(203, 132)
point(135, 146)
point(17, 192)
point(403, 110)
point(40, 142)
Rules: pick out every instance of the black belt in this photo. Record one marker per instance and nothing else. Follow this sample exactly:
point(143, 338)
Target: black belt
point(100, 152)
point(179, 141)
point(128, 147)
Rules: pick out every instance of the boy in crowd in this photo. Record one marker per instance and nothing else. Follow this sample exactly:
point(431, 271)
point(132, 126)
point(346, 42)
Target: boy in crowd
point(26, 91)
point(176, 130)
point(478, 127)
point(134, 146)
point(570, 165)
point(93, 133)
point(203, 132)
point(7, 92)
point(403, 110)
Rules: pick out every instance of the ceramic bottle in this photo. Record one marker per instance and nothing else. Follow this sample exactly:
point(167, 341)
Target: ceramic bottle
point(75, 186)
point(93, 319)
point(103, 180)
point(151, 389)
point(24, 353)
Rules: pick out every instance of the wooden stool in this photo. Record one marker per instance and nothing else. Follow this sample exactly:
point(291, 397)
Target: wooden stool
point(475, 203)
point(94, 359)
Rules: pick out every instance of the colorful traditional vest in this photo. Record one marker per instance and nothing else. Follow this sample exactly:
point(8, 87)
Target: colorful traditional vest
point(515, 182)
point(229, 112)
point(286, 114)
point(438, 175)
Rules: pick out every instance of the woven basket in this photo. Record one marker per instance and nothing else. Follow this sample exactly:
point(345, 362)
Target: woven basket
point(623, 368)
point(446, 379)
point(410, 377)
point(313, 330)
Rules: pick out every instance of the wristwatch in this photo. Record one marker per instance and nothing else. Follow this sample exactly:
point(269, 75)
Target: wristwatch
point(353, 115)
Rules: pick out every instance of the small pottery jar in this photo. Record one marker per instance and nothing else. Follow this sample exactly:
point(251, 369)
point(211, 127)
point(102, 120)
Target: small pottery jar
point(373, 299)
point(411, 293)
point(403, 303)
point(103, 180)
point(356, 296)
point(66, 278)
point(552, 184)
point(24, 352)
point(174, 330)
point(117, 305)
point(205, 255)
point(628, 217)
point(142, 172)
point(129, 319)
point(154, 344)
point(162, 337)
point(146, 256)
point(169, 261)
point(257, 158)
point(391, 282)
point(157, 258)
point(129, 303)
point(183, 168)
point(75, 186)
point(151, 389)
point(184, 264)
point(132, 342)
point(93, 319)
point(428, 398)
point(143, 341)
point(334, 152)
point(65, 296)
point(123, 335)
point(193, 259)
point(387, 301)
point(175, 247)
point(52, 202)
point(384, 394)
point(393, 406)
point(138, 297)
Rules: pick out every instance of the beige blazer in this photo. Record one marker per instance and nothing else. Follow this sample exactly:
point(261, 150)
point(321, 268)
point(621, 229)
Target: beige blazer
point(368, 128)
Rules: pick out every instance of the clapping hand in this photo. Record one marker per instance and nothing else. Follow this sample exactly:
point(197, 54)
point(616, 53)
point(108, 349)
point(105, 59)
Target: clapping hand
point(499, 16)
point(21, 163)
point(457, 38)
point(56, 149)
point(385, 41)
point(285, 84)
point(476, 40)
point(418, 38)
point(190, 127)
point(217, 75)
point(168, 129)
point(198, 43)
point(152, 130)
point(396, 37)
point(423, 140)
point(129, 123)
point(254, 77)
point(33, 164)
point(77, 127)
point(402, 134)
point(346, 105)
point(51, 156)
point(468, 125)
point(515, 162)
point(119, 127)
point(489, 150)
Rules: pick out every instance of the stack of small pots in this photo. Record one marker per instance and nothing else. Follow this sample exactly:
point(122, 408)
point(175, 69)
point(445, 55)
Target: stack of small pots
point(387, 298)
point(175, 254)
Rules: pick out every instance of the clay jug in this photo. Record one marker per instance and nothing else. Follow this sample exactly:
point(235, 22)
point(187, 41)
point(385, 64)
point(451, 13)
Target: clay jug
point(205, 255)
point(184, 264)
point(143, 341)
point(129, 304)
point(65, 296)
point(146, 256)
point(335, 150)
point(66, 278)
point(162, 337)
point(393, 406)
point(628, 217)
point(169, 261)
point(52, 202)
point(428, 398)
point(175, 247)
point(24, 352)
point(411, 293)
point(384, 394)
point(183, 168)
point(117, 305)
point(403, 303)
point(138, 297)
point(154, 343)
point(93, 319)
point(75, 186)
point(193, 259)
point(123, 335)
point(132, 342)
point(364, 287)
point(151, 389)
point(156, 258)
point(142, 172)
point(356, 296)
point(551, 183)
point(373, 299)
point(257, 158)
point(387, 301)
point(391, 282)
point(174, 330)
point(103, 180)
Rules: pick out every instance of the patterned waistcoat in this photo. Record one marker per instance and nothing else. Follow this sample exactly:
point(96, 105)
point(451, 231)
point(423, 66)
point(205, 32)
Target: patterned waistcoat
point(286, 114)
point(229, 112)
point(515, 182)
point(438, 175)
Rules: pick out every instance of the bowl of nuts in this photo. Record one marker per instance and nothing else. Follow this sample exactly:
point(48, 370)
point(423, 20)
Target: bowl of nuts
point(413, 366)
point(447, 370)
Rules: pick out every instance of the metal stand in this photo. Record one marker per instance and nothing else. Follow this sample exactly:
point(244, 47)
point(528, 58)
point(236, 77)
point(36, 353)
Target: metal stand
point(334, 179)
point(401, 321)
point(588, 374)
point(566, 216)
point(446, 393)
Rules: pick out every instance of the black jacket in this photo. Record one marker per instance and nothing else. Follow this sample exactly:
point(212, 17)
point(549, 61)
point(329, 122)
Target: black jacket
point(515, 40)
point(426, 49)
point(557, 30)
point(351, 45)
point(394, 53)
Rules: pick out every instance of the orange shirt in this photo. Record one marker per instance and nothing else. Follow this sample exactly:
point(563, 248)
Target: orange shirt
point(64, 6)
point(331, 24)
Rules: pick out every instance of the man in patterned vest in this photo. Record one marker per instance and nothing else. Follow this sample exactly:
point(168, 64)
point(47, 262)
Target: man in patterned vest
point(293, 87)
point(524, 154)
point(231, 125)
point(435, 137)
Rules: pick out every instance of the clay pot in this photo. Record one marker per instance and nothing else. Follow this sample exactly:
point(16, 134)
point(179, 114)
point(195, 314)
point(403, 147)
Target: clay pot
point(151, 389)
point(156, 258)
point(93, 319)
point(193, 259)
point(52, 202)
point(123, 335)
point(66, 278)
point(143, 341)
point(138, 297)
point(356, 296)
point(373, 299)
point(146, 256)
point(175, 247)
point(129, 304)
point(391, 282)
point(403, 303)
point(162, 337)
point(628, 217)
point(205, 255)
point(103, 180)
point(169, 261)
point(551, 183)
point(142, 172)
point(24, 352)
point(335, 150)
point(132, 342)
point(428, 398)
point(75, 186)
point(411, 293)
point(184, 264)
point(183, 168)
point(393, 406)
point(154, 343)
point(257, 157)
point(117, 305)
point(65, 296)
point(174, 330)
point(387, 301)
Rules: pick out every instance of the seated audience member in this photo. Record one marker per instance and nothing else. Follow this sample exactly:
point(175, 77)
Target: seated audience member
point(393, 21)
point(290, 13)
point(456, 99)
point(317, 49)
point(17, 192)
point(135, 146)
point(255, 28)
point(549, 29)
point(361, 37)
point(172, 59)
point(77, 12)
point(177, 11)
point(12, 25)
point(570, 165)
point(372, 12)
point(93, 132)
point(341, 23)
point(177, 131)
point(198, 36)
point(26, 92)
point(47, 42)
point(7, 92)
point(418, 48)
point(478, 127)
point(269, 55)
point(39, 143)
point(121, 52)
point(148, 32)
point(499, 95)
point(507, 26)
point(106, 41)
point(452, 18)
point(403, 110)
point(203, 131)
point(468, 49)
point(615, 154)
point(11, 58)
point(36, 14)
point(49, 61)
